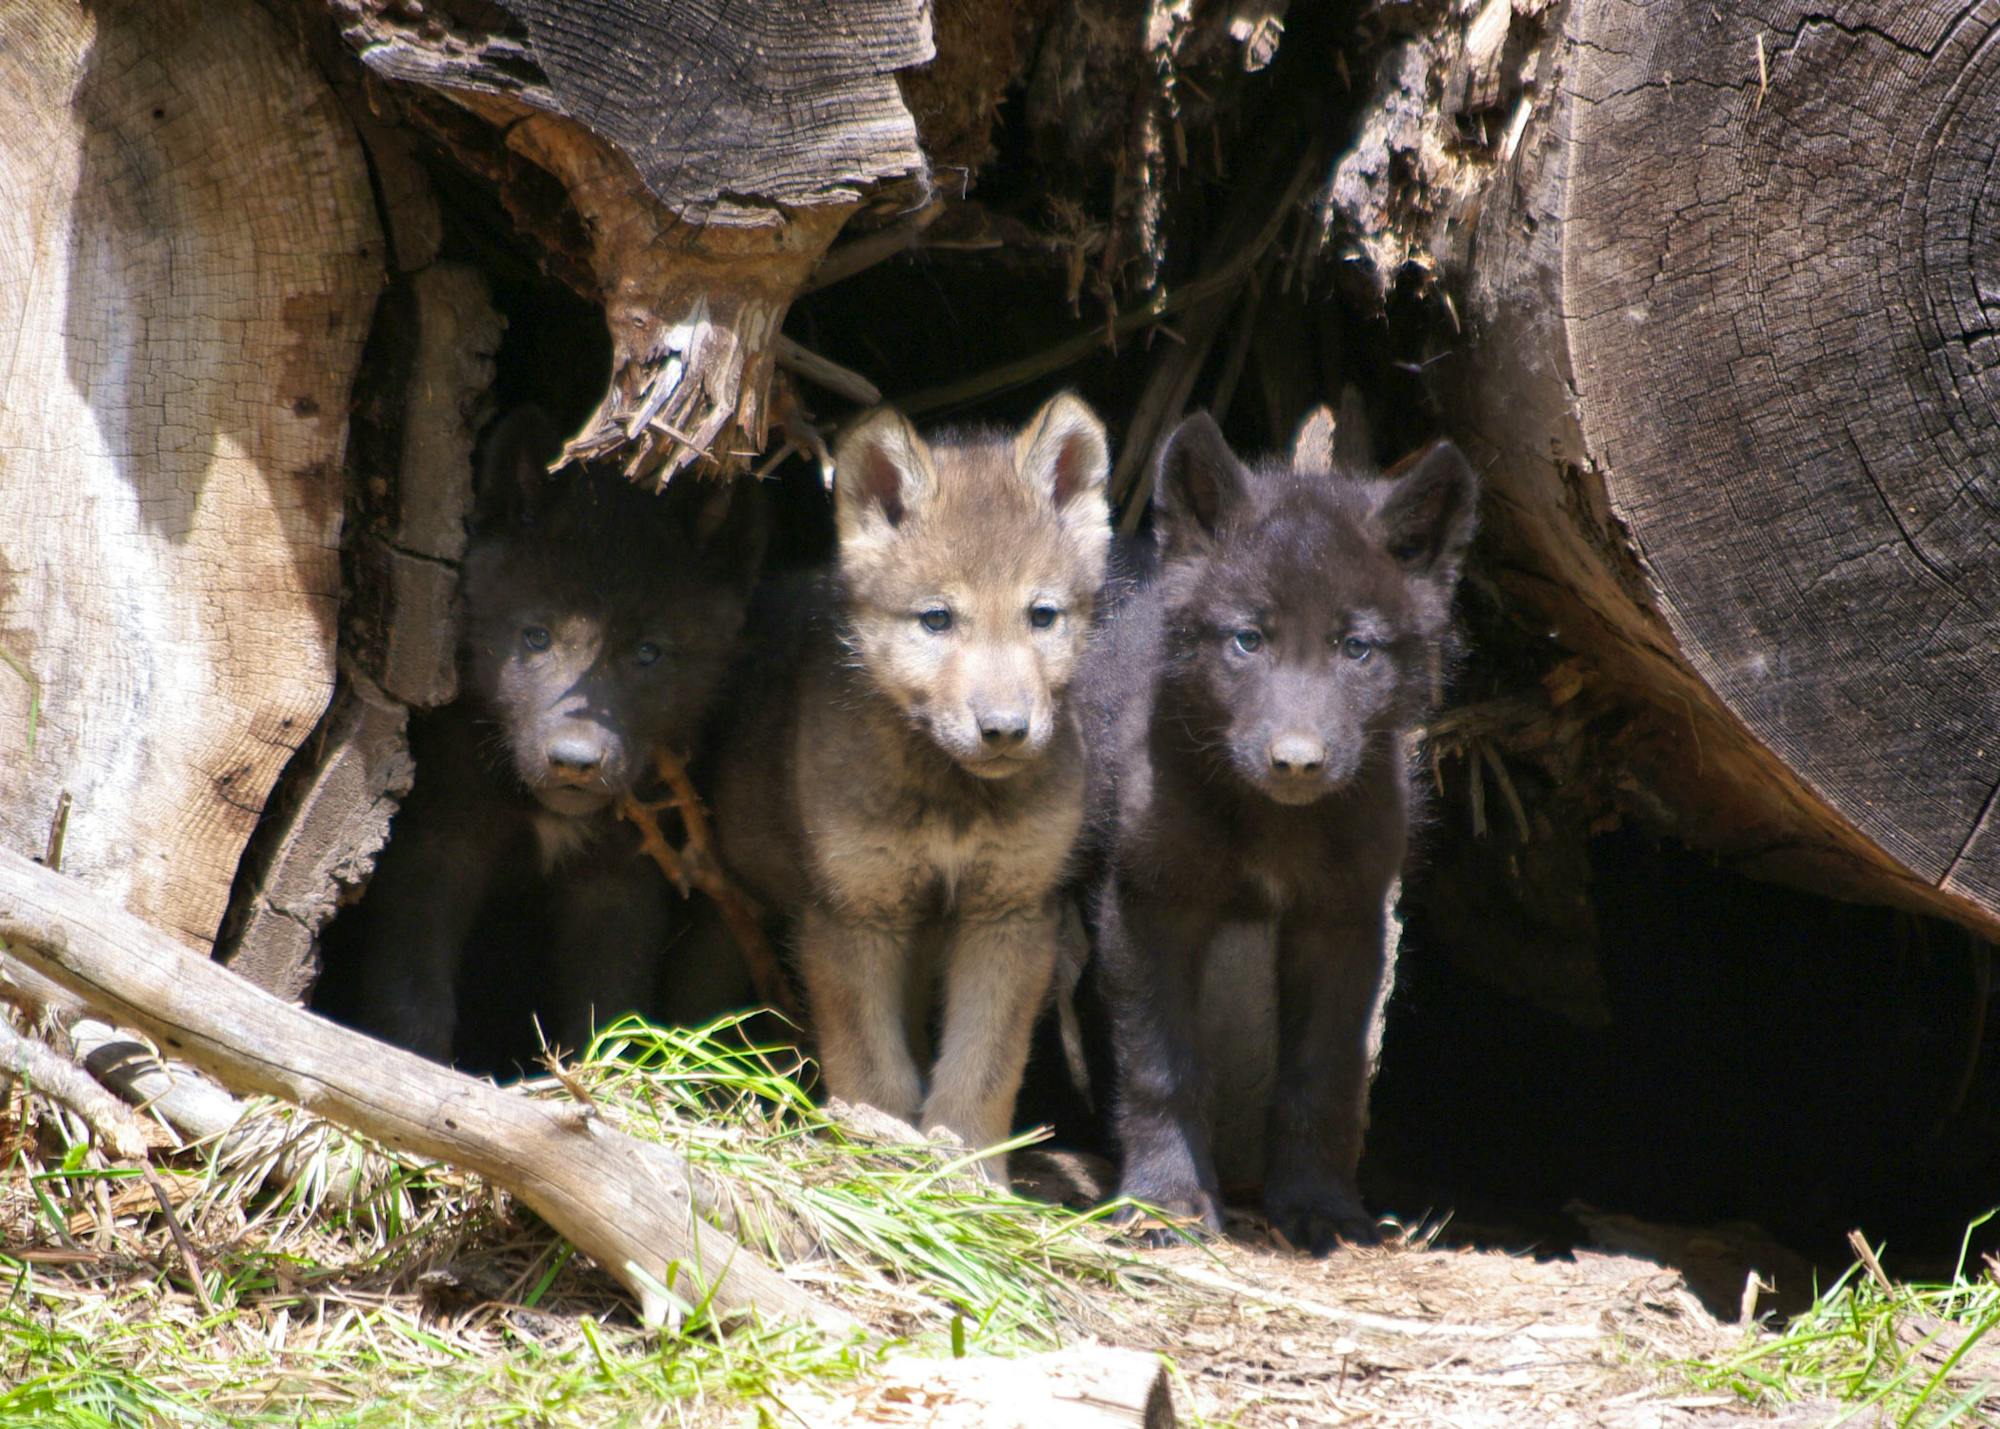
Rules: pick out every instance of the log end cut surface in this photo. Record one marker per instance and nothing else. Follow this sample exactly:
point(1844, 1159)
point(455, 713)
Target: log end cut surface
point(1782, 277)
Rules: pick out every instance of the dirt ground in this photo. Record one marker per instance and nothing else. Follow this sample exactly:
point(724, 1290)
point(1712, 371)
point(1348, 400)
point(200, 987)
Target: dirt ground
point(1400, 1335)
point(1405, 1334)
point(1408, 1336)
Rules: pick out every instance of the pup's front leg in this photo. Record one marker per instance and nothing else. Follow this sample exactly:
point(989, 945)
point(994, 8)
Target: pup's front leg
point(855, 974)
point(1329, 975)
point(1151, 960)
point(422, 906)
point(997, 971)
point(610, 937)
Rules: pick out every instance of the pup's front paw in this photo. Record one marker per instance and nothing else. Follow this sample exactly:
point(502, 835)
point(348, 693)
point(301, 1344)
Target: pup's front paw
point(1186, 1211)
point(1316, 1215)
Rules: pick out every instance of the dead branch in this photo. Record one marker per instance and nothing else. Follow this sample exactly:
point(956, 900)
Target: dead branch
point(67, 1084)
point(697, 866)
point(628, 1204)
point(859, 254)
point(1082, 1387)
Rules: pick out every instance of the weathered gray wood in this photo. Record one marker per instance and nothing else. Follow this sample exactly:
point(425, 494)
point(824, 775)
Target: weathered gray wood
point(188, 259)
point(1735, 376)
point(326, 841)
point(1797, 385)
point(628, 1204)
point(1086, 1387)
point(434, 366)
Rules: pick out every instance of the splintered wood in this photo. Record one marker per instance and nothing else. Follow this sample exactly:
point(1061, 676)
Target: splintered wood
point(711, 154)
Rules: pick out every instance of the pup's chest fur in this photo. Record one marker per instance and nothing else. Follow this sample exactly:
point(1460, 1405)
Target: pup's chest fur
point(894, 832)
point(1196, 843)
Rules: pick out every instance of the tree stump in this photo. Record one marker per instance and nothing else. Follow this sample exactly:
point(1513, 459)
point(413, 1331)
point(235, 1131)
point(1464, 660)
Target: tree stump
point(1733, 283)
point(188, 259)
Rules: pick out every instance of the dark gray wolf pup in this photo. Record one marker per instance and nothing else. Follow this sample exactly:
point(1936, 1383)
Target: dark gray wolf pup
point(599, 619)
point(1246, 714)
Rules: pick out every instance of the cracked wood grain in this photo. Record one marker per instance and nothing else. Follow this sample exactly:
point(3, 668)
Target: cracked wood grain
point(188, 259)
point(1738, 383)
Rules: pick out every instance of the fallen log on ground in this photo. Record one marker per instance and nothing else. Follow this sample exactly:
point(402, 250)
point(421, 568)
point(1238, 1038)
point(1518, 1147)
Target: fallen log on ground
point(627, 1204)
point(69, 1085)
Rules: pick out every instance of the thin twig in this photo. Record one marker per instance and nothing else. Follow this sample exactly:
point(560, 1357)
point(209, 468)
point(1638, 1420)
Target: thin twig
point(1507, 792)
point(865, 252)
point(192, 1260)
point(824, 372)
point(697, 866)
point(1865, 1253)
point(52, 857)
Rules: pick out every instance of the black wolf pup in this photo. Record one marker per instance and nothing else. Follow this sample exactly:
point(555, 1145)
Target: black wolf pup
point(598, 621)
point(1247, 712)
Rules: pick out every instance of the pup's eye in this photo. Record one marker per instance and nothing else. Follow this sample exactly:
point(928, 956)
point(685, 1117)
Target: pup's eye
point(937, 619)
point(1042, 614)
point(535, 637)
point(1249, 640)
point(647, 654)
point(1355, 648)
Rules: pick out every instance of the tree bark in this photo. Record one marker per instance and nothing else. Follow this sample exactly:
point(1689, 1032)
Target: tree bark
point(188, 258)
point(1732, 292)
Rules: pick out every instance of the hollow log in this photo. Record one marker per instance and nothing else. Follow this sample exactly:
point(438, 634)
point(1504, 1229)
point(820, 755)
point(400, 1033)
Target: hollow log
point(681, 167)
point(1731, 296)
point(188, 259)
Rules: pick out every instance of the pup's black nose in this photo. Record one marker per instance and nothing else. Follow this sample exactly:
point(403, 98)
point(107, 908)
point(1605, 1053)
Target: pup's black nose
point(1001, 730)
point(574, 757)
point(1297, 755)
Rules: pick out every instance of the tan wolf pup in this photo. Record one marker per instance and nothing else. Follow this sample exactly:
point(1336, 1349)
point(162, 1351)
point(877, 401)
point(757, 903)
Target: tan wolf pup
point(907, 782)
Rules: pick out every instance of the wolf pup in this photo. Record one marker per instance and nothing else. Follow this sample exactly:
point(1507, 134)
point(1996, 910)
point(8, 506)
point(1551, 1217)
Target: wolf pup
point(598, 621)
point(911, 779)
point(1246, 713)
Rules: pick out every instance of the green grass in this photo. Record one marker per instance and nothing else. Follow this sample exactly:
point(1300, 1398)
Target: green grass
point(342, 1286)
point(1912, 1354)
point(895, 1217)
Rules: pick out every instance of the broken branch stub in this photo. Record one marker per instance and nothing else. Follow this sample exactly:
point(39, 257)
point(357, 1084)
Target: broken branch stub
point(710, 152)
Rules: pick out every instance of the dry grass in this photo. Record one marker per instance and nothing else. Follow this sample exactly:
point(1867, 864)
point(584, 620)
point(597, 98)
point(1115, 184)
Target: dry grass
point(305, 1278)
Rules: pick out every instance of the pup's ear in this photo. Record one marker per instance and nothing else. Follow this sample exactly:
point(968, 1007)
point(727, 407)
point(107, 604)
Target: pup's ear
point(729, 524)
point(514, 467)
point(1427, 516)
point(1063, 454)
point(1197, 484)
point(1312, 446)
point(882, 475)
